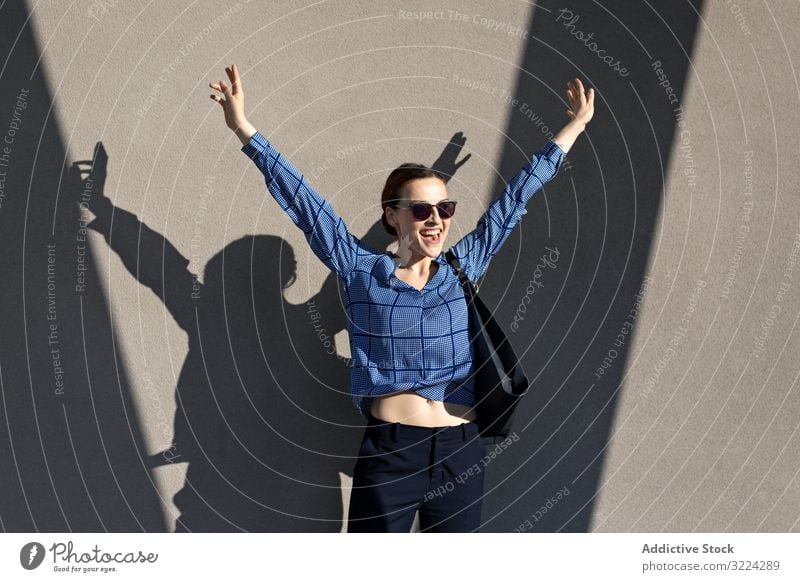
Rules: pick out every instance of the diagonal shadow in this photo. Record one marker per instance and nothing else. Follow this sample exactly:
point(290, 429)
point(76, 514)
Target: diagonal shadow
point(584, 246)
point(70, 440)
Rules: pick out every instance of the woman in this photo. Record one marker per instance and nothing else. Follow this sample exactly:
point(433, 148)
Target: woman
point(411, 358)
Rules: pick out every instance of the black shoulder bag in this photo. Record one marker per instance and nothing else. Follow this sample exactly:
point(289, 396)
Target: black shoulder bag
point(500, 381)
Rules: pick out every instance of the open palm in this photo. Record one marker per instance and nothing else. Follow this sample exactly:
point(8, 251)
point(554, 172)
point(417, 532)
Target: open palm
point(581, 102)
point(232, 99)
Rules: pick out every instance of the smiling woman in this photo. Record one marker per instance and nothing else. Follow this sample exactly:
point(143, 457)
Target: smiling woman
point(416, 210)
point(411, 368)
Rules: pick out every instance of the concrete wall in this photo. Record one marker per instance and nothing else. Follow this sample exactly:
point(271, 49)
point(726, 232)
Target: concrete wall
point(184, 389)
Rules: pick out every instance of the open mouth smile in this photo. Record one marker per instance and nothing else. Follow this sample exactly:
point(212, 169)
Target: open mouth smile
point(431, 235)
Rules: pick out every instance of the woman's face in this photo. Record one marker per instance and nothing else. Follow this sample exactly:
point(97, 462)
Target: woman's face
point(420, 238)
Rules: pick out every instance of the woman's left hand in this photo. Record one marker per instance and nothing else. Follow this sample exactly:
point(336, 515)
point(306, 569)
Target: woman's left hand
point(581, 102)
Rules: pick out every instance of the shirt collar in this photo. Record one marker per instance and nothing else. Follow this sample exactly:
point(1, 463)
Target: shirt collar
point(385, 268)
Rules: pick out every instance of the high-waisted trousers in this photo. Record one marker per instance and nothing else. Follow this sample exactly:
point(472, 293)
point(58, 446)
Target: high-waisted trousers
point(403, 468)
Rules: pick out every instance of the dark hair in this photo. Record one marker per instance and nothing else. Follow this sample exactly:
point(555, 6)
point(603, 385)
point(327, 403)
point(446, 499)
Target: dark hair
point(399, 177)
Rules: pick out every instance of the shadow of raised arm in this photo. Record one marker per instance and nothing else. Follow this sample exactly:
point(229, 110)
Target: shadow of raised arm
point(146, 254)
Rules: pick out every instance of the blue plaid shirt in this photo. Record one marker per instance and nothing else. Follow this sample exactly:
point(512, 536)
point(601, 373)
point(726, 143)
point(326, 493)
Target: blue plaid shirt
point(402, 338)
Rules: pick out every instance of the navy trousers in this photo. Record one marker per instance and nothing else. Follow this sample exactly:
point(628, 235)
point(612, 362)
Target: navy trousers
point(403, 468)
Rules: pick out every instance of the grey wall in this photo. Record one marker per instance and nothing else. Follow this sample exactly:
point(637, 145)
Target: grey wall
point(159, 368)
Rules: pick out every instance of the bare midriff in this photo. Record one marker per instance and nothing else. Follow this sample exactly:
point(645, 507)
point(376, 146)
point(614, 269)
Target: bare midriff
point(408, 407)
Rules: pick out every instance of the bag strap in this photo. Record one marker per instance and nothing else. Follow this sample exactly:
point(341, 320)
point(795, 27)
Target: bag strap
point(468, 285)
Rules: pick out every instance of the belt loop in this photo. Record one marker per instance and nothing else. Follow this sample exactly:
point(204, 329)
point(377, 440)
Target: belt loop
point(463, 431)
point(395, 427)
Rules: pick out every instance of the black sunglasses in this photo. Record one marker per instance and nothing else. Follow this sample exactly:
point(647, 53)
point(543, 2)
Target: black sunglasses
point(423, 210)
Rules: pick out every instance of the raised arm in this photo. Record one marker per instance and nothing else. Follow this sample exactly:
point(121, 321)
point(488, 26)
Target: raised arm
point(477, 248)
point(326, 231)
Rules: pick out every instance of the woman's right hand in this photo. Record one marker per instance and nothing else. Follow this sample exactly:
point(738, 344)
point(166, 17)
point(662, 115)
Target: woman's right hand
point(232, 102)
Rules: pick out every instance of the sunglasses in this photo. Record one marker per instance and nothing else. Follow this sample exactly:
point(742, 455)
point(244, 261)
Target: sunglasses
point(423, 210)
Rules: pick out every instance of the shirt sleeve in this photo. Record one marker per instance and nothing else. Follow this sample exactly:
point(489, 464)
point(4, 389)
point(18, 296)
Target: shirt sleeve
point(476, 249)
point(325, 231)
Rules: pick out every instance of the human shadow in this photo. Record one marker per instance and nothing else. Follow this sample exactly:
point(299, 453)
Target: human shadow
point(263, 411)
